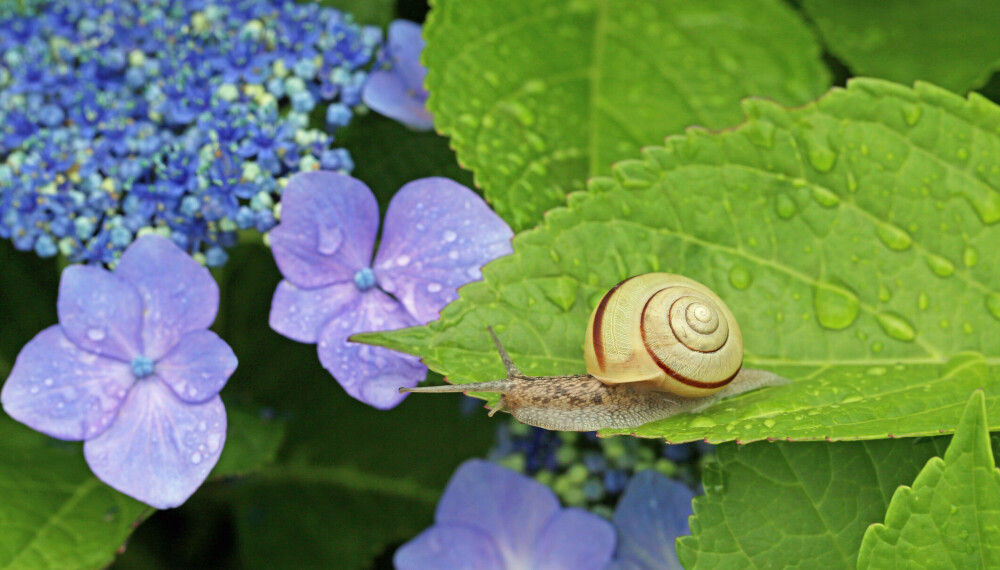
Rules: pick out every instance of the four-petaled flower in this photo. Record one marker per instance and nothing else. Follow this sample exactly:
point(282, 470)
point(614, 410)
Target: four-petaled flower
point(493, 518)
point(437, 235)
point(132, 370)
point(650, 516)
point(397, 89)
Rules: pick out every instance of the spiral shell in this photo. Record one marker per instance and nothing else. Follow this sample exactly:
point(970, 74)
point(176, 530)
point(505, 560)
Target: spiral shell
point(667, 330)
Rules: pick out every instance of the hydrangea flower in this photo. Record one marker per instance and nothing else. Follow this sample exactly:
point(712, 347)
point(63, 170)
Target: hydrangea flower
point(132, 370)
point(650, 516)
point(115, 116)
point(396, 88)
point(437, 234)
point(492, 518)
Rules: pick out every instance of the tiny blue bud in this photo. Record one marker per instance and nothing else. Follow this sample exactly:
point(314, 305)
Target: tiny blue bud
point(303, 102)
point(190, 206)
point(142, 366)
point(45, 246)
point(338, 115)
point(215, 256)
point(365, 278)
point(276, 86)
point(244, 218)
point(120, 236)
point(84, 227)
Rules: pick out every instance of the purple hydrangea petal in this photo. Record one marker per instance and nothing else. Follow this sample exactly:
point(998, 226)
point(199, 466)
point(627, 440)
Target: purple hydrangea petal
point(100, 312)
point(449, 546)
point(508, 506)
point(405, 47)
point(371, 374)
point(437, 236)
point(198, 366)
point(62, 390)
point(178, 294)
point(651, 514)
point(159, 450)
point(574, 538)
point(301, 314)
point(386, 92)
point(327, 230)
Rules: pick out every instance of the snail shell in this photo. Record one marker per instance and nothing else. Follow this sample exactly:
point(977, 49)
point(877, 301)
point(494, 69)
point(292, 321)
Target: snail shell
point(666, 330)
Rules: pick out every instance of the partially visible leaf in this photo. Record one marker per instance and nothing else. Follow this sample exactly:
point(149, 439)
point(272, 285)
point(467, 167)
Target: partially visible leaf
point(371, 12)
point(786, 505)
point(950, 517)
point(953, 44)
point(850, 237)
point(252, 441)
point(537, 96)
point(54, 513)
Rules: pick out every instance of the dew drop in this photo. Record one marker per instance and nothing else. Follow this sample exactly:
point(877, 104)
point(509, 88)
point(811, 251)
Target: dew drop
point(883, 293)
point(450, 236)
point(769, 423)
point(877, 346)
point(970, 256)
point(896, 326)
point(96, 334)
point(993, 304)
point(822, 159)
point(825, 197)
point(433, 287)
point(836, 307)
point(893, 237)
point(877, 370)
point(452, 255)
point(939, 265)
point(912, 113)
point(923, 300)
point(192, 391)
point(48, 382)
point(403, 260)
point(202, 426)
point(739, 277)
point(962, 154)
point(33, 390)
point(196, 458)
point(785, 206)
point(329, 240)
point(474, 273)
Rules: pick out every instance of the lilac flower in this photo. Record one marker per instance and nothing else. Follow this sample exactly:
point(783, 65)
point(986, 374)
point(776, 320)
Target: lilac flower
point(493, 518)
point(437, 234)
point(132, 370)
point(650, 516)
point(398, 90)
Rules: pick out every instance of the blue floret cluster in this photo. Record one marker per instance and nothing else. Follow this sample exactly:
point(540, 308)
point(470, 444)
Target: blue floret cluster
point(179, 117)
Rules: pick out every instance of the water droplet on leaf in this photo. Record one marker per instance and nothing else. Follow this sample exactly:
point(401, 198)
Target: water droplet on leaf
point(739, 277)
point(896, 326)
point(836, 307)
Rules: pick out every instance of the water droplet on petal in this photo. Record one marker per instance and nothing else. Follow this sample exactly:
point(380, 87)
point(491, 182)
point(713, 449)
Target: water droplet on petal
point(403, 260)
point(453, 255)
point(433, 287)
point(329, 240)
point(96, 334)
point(450, 236)
point(48, 382)
point(196, 458)
point(33, 390)
point(192, 391)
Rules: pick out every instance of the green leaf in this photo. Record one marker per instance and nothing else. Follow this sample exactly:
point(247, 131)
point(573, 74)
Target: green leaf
point(950, 517)
point(784, 217)
point(953, 44)
point(252, 442)
point(372, 12)
point(537, 96)
point(54, 513)
point(781, 505)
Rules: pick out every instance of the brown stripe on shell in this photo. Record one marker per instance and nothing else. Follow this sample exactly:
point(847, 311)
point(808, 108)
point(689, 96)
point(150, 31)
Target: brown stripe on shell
point(598, 319)
point(670, 371)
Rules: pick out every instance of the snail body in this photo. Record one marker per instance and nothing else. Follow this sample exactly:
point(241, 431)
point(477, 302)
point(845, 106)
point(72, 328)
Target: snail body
point(656, 345)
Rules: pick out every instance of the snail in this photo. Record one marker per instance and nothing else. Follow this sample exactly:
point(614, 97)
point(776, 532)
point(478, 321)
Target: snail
point(656, 345)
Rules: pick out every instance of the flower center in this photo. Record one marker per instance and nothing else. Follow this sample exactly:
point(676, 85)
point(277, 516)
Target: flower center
point(365, 278)
point(142, 366)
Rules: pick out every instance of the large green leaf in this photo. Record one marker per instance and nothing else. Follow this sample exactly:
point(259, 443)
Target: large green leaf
point(846, 236)
point(54, 513)
point(950, 518)
point(805, 505)
point(951, 43)
point(539, 95)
